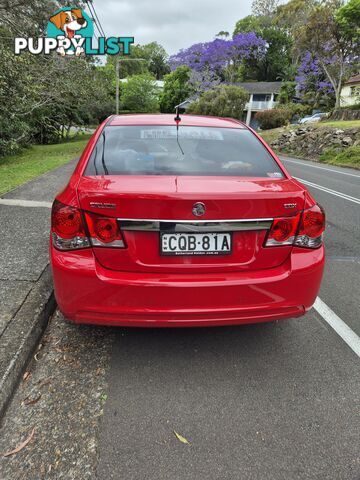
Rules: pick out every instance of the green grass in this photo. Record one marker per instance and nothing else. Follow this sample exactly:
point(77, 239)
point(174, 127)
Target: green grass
point(350, 157)
point(271, 135)
point(342, 124)
point(36, 160)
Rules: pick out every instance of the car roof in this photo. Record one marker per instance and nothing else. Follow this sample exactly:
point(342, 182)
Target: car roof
point(169, 119)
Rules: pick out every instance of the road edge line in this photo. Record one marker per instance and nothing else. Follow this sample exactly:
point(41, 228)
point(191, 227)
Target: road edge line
point(340, 327)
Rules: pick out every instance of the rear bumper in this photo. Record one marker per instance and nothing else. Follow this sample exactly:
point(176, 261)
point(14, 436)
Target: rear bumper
point(88, 293)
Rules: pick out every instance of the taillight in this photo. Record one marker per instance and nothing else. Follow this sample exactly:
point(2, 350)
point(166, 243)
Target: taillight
point(67, 227)
point(304, 230)
point(104, 231)
point(283, 231)
point(311, 229)
point(70, 232)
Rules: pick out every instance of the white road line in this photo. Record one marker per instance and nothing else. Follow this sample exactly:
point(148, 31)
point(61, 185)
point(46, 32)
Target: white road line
point(24, 203)
point(321, 168)
point(340, 327)
point(329, 190)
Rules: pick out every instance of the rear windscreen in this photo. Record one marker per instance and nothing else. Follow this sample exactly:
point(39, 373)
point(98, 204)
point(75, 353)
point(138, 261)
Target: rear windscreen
point(162, 150)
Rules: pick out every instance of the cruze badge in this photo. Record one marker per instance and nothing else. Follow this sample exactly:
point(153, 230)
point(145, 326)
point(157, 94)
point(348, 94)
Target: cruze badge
point(102, 205)
point(198, 209)
point(290, 205)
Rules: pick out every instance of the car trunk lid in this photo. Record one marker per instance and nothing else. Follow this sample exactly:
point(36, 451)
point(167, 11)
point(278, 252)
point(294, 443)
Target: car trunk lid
point(148, 206)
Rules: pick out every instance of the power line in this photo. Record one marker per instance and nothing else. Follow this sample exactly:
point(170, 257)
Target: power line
point(96, 19)
point(96, 16)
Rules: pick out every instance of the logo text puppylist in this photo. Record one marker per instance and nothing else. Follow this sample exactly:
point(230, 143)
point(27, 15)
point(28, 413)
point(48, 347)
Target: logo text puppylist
point(70, 32)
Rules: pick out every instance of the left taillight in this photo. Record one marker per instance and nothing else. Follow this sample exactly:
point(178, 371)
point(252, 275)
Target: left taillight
point(283, 231)
point(67, 227)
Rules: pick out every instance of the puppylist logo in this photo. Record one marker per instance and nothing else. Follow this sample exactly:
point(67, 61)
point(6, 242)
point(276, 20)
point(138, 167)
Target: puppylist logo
point(70, 32)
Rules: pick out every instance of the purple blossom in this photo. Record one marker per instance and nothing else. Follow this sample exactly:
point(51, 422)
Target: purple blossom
point(219, 53)
point(311, 77)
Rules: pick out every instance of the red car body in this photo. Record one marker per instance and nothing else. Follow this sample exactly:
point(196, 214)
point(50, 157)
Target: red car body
point(273, 272)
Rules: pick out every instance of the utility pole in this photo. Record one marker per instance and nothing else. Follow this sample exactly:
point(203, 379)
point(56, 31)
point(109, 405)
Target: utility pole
point(117, 84)
point(117, 70)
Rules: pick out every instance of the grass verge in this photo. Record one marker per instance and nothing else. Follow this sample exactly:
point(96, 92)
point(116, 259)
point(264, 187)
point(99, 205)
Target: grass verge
point(36, 160)
point(350, 157)
point(342, 124)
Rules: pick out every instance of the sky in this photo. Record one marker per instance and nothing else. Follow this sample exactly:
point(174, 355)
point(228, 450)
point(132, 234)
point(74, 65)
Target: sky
point(174, 24)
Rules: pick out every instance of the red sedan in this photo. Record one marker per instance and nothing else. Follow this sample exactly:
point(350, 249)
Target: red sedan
point(183, 223)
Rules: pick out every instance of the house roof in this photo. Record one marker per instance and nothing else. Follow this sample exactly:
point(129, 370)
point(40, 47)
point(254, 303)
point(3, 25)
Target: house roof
point(354, 79)
point(260, 87)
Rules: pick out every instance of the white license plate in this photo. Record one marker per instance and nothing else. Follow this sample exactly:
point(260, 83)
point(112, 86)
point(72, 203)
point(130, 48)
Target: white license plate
point(195, 243)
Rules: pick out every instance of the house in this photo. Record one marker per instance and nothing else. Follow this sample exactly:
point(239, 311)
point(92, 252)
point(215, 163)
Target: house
point(263, 96)
point(350, 92)
point(159, 83)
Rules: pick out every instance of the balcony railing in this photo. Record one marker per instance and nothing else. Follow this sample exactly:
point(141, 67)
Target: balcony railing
point(260, 105)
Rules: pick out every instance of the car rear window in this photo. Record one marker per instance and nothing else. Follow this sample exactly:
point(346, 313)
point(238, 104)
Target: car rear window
point(162, 150)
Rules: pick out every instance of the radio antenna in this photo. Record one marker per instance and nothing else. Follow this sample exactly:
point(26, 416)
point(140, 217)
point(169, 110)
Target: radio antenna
point(177, 121)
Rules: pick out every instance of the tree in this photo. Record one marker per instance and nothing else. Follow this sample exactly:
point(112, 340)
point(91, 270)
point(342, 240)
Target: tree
point(220, 58)
point(158, 59)
point(48, 94)
point(176, 89)
point(251, 23)
point(294, 14)
point(311, 83)
point(327, 40)
point(223, 34)
point(140, 94)
point(276, 61)
point(264, 8)
point(152, 59)
point(287, 92)
point(348, 18)
point(222, 101)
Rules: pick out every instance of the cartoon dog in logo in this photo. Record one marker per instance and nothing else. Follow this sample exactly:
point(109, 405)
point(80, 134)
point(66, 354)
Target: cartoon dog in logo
point(69, 21)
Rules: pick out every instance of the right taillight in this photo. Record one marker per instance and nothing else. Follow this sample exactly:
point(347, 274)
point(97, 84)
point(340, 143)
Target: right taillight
point(303, 230)
point(311, 228)
point(104, 231)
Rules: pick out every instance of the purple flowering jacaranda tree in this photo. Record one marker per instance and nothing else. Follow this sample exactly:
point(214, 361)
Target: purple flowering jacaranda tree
point(209, 60)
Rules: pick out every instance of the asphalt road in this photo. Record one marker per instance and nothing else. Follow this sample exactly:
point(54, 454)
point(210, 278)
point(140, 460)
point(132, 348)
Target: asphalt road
point(255, 402)
point(273, 401)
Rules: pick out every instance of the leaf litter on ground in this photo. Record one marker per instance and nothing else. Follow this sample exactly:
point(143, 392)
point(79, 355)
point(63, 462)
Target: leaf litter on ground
point(21, 446)
point(181, 438)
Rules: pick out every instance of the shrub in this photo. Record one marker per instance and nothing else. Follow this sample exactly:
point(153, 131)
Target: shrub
point(275, 118)
point(221, 101)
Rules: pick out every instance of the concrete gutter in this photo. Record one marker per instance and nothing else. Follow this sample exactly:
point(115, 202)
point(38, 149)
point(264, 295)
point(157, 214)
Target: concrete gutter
point(21, 336)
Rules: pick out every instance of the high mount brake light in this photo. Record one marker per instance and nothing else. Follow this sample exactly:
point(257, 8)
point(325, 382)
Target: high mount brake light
point(304, 230)
point(69, 230)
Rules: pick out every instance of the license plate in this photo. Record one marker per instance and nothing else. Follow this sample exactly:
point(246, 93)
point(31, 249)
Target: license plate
point(196, 243)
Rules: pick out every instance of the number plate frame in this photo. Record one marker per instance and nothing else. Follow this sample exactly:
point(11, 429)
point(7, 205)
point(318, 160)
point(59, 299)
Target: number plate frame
point(196, 253)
